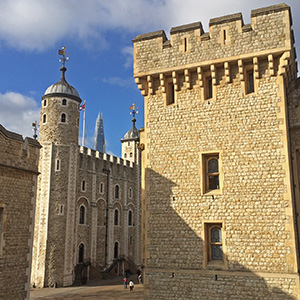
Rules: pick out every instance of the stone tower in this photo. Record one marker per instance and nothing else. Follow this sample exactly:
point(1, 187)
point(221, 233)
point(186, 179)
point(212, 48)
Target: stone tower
point(53, 237)
point(88, 202)
point(130, 141)
point(220, 200)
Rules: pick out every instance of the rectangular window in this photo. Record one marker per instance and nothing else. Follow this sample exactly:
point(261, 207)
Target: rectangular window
point(208, 87)
point(185, 45)
point(1, 228)
point(250, 82)
point(214, 243)
point(170, 93)
point(57, 167)
point(60, 209)
point(83, 186)
point(224, 37)
point(211, 172)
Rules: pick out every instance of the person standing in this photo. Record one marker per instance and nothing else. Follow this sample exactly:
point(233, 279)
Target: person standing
point(125, 282)
point(131, 285)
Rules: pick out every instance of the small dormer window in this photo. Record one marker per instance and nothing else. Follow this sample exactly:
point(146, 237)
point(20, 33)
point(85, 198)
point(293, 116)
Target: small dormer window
point(64, 102)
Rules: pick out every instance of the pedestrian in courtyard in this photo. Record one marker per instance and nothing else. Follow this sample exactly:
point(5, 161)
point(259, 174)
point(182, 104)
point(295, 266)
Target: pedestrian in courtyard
point(140, 278)
point(131, 285)
point(125, 282)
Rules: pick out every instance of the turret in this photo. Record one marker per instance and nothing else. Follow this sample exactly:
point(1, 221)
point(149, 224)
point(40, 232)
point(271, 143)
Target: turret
point(59, 122)
point(130, 140)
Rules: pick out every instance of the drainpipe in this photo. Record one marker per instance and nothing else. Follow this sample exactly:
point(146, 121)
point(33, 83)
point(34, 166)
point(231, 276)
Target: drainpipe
point(107, 172)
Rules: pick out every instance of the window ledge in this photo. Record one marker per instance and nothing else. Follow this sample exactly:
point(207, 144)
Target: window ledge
point(216, 264)
point(213, 192)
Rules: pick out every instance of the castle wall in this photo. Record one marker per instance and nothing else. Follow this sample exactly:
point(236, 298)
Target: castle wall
point(246, 132)
point(18, 179)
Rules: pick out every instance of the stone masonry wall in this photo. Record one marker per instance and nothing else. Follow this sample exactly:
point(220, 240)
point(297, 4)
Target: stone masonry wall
point(249, 132)
point(18, 177)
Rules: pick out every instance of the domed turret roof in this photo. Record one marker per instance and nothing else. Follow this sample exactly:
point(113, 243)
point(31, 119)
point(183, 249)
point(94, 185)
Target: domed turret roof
point(132, 134)
point(62, 88)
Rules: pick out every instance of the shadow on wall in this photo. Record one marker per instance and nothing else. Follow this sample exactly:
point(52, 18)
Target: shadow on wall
point(176, 268)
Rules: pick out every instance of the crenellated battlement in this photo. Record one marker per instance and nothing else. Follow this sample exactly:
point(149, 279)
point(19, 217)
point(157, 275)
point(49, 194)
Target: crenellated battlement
point(90, 153)
point(229, 44)
point(23, 153)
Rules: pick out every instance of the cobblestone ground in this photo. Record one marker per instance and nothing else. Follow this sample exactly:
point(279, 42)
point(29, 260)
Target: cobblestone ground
point(103, 290)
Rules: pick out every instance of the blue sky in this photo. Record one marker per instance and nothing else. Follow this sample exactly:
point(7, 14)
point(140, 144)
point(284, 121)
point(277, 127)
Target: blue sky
point(97, 34)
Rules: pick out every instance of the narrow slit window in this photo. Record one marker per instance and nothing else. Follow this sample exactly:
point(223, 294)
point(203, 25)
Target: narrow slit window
point(250, 78)
point(224, 37)
point(57, 165)
point(82, 214)
point(208, 88)
point(185, 44)
point(170, 93)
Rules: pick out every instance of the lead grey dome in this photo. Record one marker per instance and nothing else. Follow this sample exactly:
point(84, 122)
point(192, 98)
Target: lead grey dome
point(62, 88)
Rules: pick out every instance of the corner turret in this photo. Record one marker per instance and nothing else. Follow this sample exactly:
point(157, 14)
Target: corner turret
point(59, 121)
point(131, 139)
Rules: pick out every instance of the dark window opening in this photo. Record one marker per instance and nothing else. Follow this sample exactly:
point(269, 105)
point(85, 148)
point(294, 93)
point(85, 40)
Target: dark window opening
point(130, 218)
point(117, 191)
point(250, 82)
point(63, 118)
point(116, 218)
point(215, 241)
point(81, 214)
point(116, 250)
point(81, 253)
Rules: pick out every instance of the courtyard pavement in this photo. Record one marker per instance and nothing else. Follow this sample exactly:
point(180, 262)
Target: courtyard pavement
point(94, 290)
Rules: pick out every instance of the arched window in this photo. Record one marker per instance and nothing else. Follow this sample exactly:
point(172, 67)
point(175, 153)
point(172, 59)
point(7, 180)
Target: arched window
point(125, 155)
point(212, 174)
point(63, 118)
point(215, 239)
point(130, 218)
point(116, 217)
point(130, 154)
point(116, 250)
point(64, 102)
point(45, 102)
point(117, 191)
point(81, 253)
point(44, 118)
point(82, 214)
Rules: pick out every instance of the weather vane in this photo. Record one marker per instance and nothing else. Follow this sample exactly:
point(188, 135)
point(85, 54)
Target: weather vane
point(133, 110)
point(35, 129)
point(63, 54)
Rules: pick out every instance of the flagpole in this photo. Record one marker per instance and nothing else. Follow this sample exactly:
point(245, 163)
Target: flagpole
point(83, 129)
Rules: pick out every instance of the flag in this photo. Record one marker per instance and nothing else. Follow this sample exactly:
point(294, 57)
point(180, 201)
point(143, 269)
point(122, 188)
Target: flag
point(82, 107)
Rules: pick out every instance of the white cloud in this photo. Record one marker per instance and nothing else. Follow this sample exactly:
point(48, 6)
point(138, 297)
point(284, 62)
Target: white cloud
point(38, 24)
point(119, 81)
point(18, 112)
point(128, 53)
